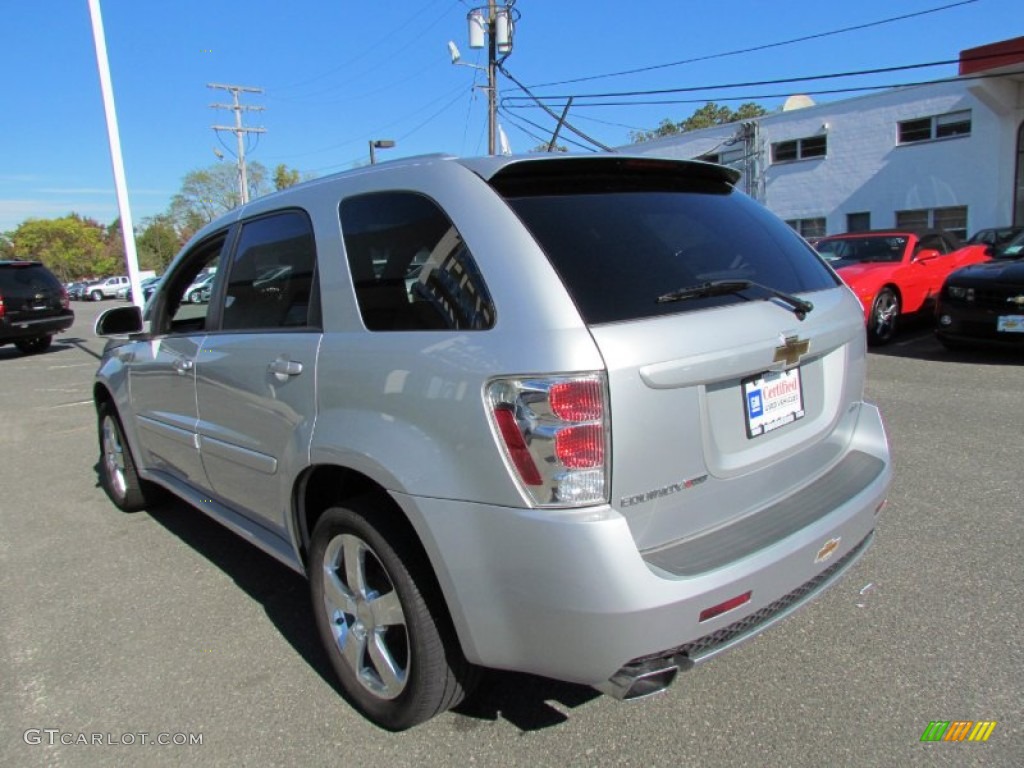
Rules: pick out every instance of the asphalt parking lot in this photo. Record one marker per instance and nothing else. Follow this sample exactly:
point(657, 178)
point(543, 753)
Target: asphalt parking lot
point(161, 623)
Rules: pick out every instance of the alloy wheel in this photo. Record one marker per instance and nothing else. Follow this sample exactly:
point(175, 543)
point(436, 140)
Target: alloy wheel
point(366, 617)
point(113, 457)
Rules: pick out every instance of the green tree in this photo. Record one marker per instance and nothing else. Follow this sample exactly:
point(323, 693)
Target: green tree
point(285, 177)
point(206, 193)
point(543, 148)
point(158, 242)
point(71, 246)
point(704, 117)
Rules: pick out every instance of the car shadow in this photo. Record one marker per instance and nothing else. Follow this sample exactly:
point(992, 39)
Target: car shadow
point(524, 701)
point(59, 344)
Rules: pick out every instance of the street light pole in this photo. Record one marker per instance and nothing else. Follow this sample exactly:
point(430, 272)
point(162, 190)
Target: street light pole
point(376, 144)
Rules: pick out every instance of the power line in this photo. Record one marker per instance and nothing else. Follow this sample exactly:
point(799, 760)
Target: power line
point(516, 119)
point(752, 83)
point(754, 97)
point(541, 104)
point(756, 48)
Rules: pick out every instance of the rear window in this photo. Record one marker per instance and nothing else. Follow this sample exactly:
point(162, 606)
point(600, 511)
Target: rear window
point(620, 244)
point(26, 278)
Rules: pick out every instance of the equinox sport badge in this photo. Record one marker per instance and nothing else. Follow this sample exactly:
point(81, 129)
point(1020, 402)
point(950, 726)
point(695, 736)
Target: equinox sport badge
point(657, 493)
point(827, 549)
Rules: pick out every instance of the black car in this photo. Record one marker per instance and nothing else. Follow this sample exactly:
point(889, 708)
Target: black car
point(985, 302)
point(33, 306)
point(995, 236)
point(76, 291)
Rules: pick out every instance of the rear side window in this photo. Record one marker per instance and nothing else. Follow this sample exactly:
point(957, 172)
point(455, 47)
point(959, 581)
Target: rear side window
point(621, 243)
point(410, 267)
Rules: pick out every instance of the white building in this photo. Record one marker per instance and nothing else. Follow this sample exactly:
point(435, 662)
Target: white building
point(947, 155)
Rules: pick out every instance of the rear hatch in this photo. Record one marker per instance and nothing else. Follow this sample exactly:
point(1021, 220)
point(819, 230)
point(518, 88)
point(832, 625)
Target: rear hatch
point(30, 292)
point(735, 358)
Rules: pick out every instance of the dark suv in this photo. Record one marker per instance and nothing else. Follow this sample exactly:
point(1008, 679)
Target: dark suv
point(33, 306)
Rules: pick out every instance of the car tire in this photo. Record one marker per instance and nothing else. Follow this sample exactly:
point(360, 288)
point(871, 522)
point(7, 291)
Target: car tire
point(381, 618)
point(96, 296)
point(34, 345)
point(118, 474)
point(885, 312)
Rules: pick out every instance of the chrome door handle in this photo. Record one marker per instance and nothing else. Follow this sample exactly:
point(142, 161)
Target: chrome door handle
point(282, 368)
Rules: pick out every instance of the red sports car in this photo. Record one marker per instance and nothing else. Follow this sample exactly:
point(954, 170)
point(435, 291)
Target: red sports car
point(896, 272)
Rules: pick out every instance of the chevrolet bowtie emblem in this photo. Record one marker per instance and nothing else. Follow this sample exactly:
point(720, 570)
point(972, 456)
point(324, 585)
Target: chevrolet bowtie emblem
point(791, 351)
point(1018, 300)
point(827, 549)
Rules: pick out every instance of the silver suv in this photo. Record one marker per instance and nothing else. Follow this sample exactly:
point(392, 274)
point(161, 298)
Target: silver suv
point(594, 418)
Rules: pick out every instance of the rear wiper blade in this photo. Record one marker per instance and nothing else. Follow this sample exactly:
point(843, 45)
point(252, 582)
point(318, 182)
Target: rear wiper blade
point(799, 306)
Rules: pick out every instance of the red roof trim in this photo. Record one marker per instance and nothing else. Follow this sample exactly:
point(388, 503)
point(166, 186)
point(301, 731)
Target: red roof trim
point(992, 56)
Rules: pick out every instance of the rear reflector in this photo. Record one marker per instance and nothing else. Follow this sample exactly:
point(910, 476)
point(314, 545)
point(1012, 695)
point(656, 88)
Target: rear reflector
point(516, 445)
point(728, 605)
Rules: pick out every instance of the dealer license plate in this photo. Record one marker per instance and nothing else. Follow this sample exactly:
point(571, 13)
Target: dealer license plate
point(772, 400)
point(1010, 323)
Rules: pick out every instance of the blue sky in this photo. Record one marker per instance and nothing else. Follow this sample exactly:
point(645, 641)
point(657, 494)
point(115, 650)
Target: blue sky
point(338, 73)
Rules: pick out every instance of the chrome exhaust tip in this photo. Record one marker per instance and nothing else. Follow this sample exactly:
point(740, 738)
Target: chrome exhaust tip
point(645, 678)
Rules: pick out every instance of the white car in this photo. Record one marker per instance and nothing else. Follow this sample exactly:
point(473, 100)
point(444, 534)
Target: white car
point(199, 291)
point(107, 288)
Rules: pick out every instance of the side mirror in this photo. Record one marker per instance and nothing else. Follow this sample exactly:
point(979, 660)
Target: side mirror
point(926, 254)
point(119, 321)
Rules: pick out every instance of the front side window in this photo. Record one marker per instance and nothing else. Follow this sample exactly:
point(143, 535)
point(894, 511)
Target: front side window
point(410, 267)
point(271, 278)
point(182, 307)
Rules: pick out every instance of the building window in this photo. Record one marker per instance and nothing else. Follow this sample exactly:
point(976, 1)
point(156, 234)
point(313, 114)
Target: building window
point(952, 219)
point(937, 127)
point(858, 222)
point(726, 157)
point(808, 227)
point(799, 149)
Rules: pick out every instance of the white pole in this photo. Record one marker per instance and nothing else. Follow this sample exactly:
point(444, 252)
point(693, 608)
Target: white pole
point(115, 152)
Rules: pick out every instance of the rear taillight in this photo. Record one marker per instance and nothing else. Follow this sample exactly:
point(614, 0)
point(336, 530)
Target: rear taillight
point(554, 433)
point(65, 302)
point(3, 310)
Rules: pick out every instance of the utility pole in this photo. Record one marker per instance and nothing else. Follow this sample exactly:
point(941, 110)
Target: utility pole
point(238, 129)
point(497, 24)
point(492, 80)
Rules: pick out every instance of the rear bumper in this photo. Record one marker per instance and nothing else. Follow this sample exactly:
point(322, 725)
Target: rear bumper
point(30, 328)
point(567, 594)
